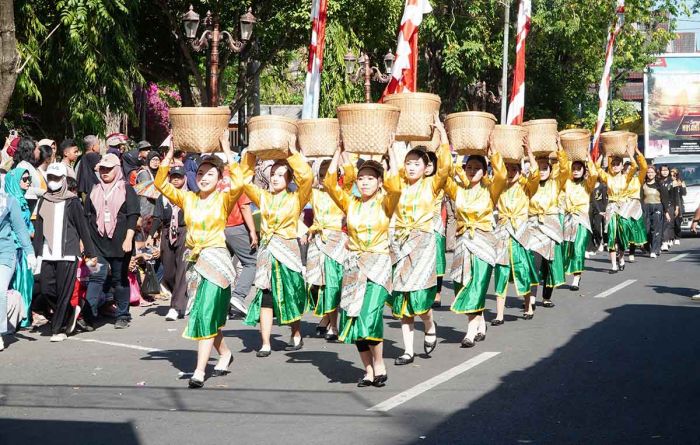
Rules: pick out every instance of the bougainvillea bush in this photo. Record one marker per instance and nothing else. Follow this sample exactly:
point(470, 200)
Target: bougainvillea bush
point(158, 101)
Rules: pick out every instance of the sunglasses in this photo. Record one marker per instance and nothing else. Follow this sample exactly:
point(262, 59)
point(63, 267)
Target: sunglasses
point(27, 179)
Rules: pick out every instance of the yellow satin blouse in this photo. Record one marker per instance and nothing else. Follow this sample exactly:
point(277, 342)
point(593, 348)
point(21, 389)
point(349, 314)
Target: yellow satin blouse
point(514, 201)
point(327, 215)
point(634, 190)
point(474, 205)
point(367, 222)
point(205, 218)
point(546, 200)
point(279, 213)
point(617, 184)
point(577, 195)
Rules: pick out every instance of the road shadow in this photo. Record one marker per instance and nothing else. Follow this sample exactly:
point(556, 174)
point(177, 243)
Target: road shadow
point(329, 364)
point(184, 360)
point(629, 379)
point(671, 290)
point(63, 432)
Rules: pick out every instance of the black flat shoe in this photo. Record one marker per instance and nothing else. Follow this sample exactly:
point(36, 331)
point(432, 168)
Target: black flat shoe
point(479, 337)
point(222, 372)
point(429, 347)
point(612, 271)
point(574, 288)
point(331, 337)
point(294, 347)
point(496, 322)
point(263, 354)
point(404, 360)
point(466, 343)
point(321, 331)
point(195, 384)
point(363, 383)
point(622, 267)
point(437, 304)
point(528, 316)
point(547, 303)
point(380, 381)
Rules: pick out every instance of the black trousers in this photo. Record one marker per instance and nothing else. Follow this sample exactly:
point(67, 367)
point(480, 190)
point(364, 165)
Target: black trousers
point(544, 265)
point(598, 229)
point(175, 269)
point(654, 219)
point(57, 284)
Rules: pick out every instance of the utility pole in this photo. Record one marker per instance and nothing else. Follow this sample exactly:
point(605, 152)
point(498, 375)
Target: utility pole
point(504, 81)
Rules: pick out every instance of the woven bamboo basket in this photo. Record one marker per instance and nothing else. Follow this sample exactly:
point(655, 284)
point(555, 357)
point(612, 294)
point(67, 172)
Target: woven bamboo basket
point(615, 143)
point(542, 136)
point(318, 137)
point(367, 128)
point(417, 115)
point(271, 136)
point(632, 140)
point(198, 129)
point(576, 143)
point(469, 131)
point(431, 145)
point(509, 141)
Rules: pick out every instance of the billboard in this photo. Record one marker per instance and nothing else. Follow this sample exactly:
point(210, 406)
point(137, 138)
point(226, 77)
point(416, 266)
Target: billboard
point(672, 106)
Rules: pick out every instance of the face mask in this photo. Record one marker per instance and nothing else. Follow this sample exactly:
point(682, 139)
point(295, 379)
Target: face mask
point(54, 185)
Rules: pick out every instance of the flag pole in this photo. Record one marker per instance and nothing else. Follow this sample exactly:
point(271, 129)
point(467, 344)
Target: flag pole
point(504, 81)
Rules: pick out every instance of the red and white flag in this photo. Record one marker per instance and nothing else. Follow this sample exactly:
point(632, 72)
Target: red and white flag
point(516, 108)
point(605, 82)
point(404, 74)
point(312, 88)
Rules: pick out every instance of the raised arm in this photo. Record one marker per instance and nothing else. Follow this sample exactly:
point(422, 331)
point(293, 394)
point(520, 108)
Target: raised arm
point(349, 174)
point(451, 188)
point(500, 176)
point(643, 166)
point(303, 176)
point(247, 170)
point(444, 157)
point(339, 195)
point(392, 189)
point(564, 173)
point(592, 175)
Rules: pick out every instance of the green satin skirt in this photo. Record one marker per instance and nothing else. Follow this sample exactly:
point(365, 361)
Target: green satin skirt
point(23, 282)
point(369, 324)
point(410, 304)
point(288, 295)
point(555, 273)
point(636, 231)
point(471, 297)
point(209, 311)
point(521, 270)
point(575, 252)
point(627, 231)
point(441, 260)
point(328, 296)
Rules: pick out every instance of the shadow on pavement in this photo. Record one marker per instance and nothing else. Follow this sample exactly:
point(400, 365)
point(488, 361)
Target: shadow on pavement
point(57, 432)
point(329, 364)
point(629, 379)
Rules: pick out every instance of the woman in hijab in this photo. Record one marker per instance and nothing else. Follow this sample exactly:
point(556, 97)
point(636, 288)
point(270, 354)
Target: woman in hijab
point(60, 230)
point(144, 184)
point(112, 209)
point(11, 222)
point(17, 182)
point(27, 156)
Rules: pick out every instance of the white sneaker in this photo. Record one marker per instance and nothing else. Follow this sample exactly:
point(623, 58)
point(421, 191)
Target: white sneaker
point(664, 247)
point(172, 315)
point(73, 320)
point(677, 242)
point(587, 255)
point(631, 259)
point(652, 255)
point(58, 337)
point(2, 343)
point(695, 297)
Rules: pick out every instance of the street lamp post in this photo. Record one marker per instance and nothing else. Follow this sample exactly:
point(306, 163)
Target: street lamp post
point(368, 72)
point(213, 33)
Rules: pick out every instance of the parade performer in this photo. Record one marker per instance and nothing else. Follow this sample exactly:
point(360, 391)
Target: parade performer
point(515, 261)
point(633, 224)
point(475, 198)
point(327, 249)
point(577, 223)
point(617, 212)
point(210, 272)
point(545, 229)
point(367, 269)
point(281, 291)
point(413, 244)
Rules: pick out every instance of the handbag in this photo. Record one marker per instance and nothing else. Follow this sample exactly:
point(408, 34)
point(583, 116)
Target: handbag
point(150, 284)
point(134, 289)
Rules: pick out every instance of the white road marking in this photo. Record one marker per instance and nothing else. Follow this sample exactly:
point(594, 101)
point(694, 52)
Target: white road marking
point(612, 290)
point(677, 257)
point(431, 383)
point(121, 345)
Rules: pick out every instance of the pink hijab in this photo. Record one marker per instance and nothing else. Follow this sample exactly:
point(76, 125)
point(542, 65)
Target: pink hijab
point(108, 198)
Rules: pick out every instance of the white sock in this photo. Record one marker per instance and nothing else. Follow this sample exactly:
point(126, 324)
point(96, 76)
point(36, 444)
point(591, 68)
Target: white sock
point(265, 348)
point(472, 328)
point(407, 332)
point(577, 280)
point(296, 340)
point(198, 375)
point(482, 324)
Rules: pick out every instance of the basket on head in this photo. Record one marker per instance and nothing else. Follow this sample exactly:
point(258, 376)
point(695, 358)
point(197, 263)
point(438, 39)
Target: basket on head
point(542, 136)
point(198, 129)
point(509, 141)
point(318, 137)
point(271, 136)
point(632, 140)
point(417, 115)
point(431, 145)
point(367, 128)
point(615, 143)
point(469, 131)
point(576, 143)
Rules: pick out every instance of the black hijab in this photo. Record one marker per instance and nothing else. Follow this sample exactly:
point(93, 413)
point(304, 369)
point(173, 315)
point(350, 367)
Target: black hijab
point(87, 177)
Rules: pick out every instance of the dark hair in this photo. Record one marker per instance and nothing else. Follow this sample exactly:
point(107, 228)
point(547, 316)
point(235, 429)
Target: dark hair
point(282, 163)
point(25, 152)
point(386, 160)
point(479, 158)
point(45, 152)
point(72, 184)
point(66, 144)
point(432, 158)
point(373, 166)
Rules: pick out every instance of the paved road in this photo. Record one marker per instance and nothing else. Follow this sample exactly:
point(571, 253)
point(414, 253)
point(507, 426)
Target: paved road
point(624, 368)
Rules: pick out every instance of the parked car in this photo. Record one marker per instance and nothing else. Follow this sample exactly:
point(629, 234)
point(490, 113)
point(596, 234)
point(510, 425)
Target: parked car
point(689, 167)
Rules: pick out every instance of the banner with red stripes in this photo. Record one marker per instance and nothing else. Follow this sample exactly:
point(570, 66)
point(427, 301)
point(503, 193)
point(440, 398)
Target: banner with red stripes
point(312, 87)
point(516, 108)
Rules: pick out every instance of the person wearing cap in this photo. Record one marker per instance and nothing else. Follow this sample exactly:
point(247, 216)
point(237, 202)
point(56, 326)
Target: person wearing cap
point(144, 177)
point(210, 270)
point(577, 223)
point(545, 231)
point(326, 253)
point(112, 210)
point(413, 245)
point(281, 290)
point(61, 230)
point(367, 282)
point(11, 225)
point(475, 196)
point(617, 214)
point(633, 215)
point(169, 221)
point(513, 259)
